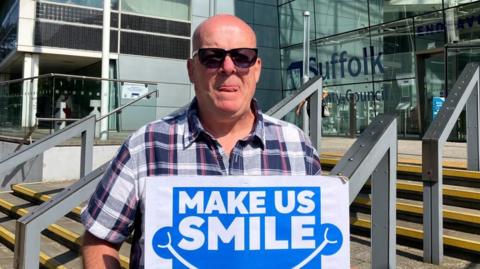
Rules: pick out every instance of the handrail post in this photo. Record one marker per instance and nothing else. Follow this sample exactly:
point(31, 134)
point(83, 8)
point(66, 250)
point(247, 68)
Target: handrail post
point(383, 211)
point(26, 252)
point(374, 154)
point(86, 154)
point(316, 117)
point(473, 131)
point(463, 93)
point(432, 202)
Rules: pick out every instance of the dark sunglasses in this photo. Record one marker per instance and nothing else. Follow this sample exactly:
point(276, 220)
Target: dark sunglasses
point(214, 57)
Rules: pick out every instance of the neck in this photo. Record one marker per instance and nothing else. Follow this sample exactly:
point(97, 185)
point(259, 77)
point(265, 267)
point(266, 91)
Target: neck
point(229, 130)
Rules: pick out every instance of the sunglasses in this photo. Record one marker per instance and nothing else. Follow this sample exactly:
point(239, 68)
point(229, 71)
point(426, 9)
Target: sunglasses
point(214, 57)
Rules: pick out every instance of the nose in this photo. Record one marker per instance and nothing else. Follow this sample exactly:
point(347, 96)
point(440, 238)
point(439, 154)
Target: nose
point(228, 67)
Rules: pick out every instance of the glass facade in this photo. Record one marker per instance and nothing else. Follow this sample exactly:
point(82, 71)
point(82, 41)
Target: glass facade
point(8, 27)
point(379, 56)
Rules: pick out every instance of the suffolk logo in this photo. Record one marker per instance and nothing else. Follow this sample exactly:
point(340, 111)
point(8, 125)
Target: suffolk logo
point(241, 226)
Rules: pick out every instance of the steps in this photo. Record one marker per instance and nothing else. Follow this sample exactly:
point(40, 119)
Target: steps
point(461, 209)
point(61, 241)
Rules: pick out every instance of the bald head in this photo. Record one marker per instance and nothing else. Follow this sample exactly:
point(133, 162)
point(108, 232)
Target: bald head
point(235, 24)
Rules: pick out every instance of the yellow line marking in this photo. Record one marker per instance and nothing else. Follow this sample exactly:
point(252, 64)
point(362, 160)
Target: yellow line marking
point(418, 209)
point(57, 229)
point(45, 260)
point(39, 196)
point(409, 167)
point(417, 234)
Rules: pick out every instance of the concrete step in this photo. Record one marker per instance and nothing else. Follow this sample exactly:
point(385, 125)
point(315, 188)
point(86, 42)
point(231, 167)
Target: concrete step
point(413, 233)
point(53, 254)
point(39, 192)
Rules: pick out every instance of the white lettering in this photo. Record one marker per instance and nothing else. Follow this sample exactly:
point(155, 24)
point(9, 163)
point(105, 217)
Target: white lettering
point(236, 232)
point(299, 232)
point(306, 203)
point(290, 202)
point(236, 202)
point(215, 203)
point(186, 228)
point(257, 202)
point(271, 241)
point(195, 202)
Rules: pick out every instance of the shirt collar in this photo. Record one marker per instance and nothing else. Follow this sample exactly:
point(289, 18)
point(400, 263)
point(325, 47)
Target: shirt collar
point(193, 126)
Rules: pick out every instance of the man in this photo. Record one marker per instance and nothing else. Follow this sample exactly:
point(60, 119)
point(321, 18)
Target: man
point(221, 133)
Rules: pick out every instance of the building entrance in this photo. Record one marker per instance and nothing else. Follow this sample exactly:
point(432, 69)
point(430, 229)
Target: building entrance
point(458, 56)
point(430, 85)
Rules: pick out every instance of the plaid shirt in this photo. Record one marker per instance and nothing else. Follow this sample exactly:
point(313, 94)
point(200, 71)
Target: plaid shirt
point(178, 145)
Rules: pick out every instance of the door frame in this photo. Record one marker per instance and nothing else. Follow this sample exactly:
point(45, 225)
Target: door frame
point(420, 57)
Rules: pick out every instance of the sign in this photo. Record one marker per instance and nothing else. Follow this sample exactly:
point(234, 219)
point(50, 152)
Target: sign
point(437, 103)
point(133, 90)
point(246, 222)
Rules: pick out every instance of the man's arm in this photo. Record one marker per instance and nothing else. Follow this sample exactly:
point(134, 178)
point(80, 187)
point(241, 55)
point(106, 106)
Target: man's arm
point(98, 253)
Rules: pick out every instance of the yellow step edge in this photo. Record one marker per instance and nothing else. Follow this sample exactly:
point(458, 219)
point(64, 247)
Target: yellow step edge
point(458, 172)
point(403, 160)
point(20, 188)
point(451, 241)
point(45, 260)
point(57, 229)
point(418, 209)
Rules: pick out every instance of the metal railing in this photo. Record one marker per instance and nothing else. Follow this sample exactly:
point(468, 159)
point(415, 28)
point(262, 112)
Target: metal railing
point(465, 92)
point(85, 127)
point(30, 226)
point(311, 90)
point(374, 155)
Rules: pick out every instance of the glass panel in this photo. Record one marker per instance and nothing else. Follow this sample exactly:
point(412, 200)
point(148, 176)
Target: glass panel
point(346, 58)
point(431, 80)
point(292, 66)
point(430, 31)
point(291, 22)
point(174, 9)
point(333, 17)
point(359, 100)
point(457, 59)
point(400, 98)
point(8, 31)
point(393, 47)
point(463, 23)
point(88, 3)
point(452, 3)
point(11, 106)
point(386, 11)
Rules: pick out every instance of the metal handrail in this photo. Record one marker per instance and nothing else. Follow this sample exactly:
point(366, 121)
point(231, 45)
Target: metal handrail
point(465, 92)
point(119, 109)
point(313, 91)
point(374, 155)
point(84, 127)
point(79, 77)
point(30, 226)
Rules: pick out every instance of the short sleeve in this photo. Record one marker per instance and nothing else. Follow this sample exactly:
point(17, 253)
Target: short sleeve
point(110, 212)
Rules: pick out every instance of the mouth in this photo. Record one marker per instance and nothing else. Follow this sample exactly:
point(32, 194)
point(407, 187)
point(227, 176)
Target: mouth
point(228, 88)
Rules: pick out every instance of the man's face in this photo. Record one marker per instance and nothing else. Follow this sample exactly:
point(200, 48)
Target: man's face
point(228, 90)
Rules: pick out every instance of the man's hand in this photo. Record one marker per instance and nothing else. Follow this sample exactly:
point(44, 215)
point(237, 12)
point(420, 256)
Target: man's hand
point(98, 253)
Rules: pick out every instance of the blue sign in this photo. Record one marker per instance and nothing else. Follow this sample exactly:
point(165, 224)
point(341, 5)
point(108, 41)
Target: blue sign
point(437, 103)
point(246, 226)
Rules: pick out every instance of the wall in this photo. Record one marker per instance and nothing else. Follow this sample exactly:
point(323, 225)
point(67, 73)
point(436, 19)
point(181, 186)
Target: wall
point(27, 172)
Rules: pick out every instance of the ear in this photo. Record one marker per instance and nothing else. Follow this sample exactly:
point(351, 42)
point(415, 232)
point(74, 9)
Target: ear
point(258, 69)
point(190, 69)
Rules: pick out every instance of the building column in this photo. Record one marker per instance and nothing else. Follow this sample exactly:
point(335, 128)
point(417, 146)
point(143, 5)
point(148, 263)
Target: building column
point(30, 89)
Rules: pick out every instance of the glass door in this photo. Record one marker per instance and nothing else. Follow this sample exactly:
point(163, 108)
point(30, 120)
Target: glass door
point(431, 85)
point(458, 56)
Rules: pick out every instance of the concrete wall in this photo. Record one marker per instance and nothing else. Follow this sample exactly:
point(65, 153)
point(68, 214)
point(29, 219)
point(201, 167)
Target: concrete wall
point(63, 163)
point(56, 164)
point(30, 171)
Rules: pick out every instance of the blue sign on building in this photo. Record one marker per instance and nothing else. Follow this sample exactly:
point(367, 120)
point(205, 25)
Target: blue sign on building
point(437, 103)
